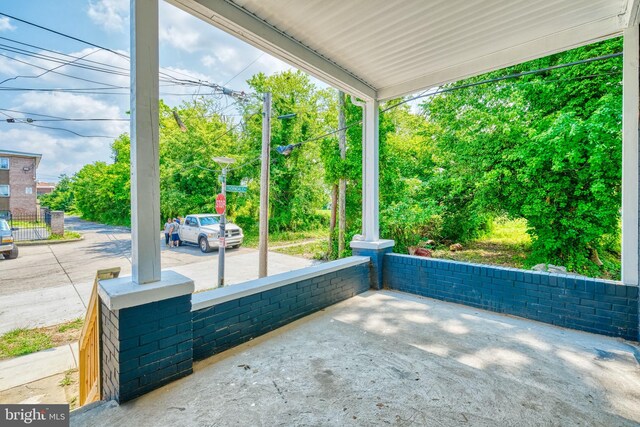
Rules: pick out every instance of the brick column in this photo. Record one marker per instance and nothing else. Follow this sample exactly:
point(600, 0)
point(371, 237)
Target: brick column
point(145, 344)
point(376, 251)
point(57, 223)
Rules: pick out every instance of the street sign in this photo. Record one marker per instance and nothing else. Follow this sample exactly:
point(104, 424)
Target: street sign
point(221, 204)
point(236, 188)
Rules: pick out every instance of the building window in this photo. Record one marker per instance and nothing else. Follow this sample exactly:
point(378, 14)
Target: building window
point(4, 163)
point(28, 190)
point(4, 191)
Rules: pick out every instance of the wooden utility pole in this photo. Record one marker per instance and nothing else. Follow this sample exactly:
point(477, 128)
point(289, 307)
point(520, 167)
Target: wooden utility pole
point(342, 193)
point(264, 185)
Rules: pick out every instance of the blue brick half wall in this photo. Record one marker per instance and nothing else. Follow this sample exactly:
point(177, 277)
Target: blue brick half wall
point(376, 252)
point(145, 347)
point(238, 319)
point(592, 305)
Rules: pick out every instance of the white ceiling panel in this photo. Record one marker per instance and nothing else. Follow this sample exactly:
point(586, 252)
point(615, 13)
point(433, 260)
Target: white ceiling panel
point(387, 48)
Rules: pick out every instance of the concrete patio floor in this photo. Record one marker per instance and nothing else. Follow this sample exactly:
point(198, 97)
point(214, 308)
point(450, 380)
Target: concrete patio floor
point(388, 358)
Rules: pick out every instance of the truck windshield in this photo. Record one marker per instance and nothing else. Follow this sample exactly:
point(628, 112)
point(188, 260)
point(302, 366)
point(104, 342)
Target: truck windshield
point(4, 226)
point(209, 220)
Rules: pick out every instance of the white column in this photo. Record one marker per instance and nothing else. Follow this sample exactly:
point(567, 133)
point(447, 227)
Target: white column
point(145, 160)
point(371, 172)
point(630, 110)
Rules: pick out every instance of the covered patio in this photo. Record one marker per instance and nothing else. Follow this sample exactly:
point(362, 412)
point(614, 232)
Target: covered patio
point(277, 350)
point(387, 357)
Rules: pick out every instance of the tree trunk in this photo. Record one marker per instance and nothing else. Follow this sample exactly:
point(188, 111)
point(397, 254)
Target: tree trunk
point(332, 222)
point(342, 197)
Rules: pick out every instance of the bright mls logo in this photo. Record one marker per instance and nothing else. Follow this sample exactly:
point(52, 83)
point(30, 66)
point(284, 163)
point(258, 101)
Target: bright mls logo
point(34, 415)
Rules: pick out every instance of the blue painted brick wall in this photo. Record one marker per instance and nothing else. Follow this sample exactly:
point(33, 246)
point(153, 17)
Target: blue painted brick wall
point(145, 347)
point(593, 305)
point(220, 327)
point(376, 264)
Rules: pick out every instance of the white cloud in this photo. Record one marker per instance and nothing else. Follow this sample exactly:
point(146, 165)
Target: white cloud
point(112, 15)
point(6, 25)
point(208, 61)
point(59, 154)
point(63, 152)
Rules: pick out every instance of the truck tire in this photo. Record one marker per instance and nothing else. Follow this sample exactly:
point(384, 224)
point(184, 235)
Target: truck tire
point(204, 244)
point(13, 254)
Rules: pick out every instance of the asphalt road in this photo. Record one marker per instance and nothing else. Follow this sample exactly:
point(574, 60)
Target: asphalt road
point(50, 284)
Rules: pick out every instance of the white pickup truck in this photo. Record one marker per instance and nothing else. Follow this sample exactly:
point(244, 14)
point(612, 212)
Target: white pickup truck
point(204, 230)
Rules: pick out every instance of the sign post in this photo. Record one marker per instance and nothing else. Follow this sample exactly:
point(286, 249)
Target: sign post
point(221, 209)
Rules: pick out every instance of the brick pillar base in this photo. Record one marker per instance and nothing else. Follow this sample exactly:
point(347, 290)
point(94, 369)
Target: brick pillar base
point(57, 223)
point(376, 251)
point(147, 345)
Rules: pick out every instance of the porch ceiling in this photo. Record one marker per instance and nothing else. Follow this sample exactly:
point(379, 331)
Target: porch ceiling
point(385, 49)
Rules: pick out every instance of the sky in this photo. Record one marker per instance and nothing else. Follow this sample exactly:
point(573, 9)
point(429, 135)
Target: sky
point(188, 47)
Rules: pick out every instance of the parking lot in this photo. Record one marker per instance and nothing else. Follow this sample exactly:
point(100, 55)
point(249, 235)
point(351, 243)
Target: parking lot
point(50, 284)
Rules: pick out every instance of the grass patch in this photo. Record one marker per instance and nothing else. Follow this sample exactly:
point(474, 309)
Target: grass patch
point(68, 235)
point(74, 325)
point(283, 238)
point(507, 244)
point(310, 250)
point(68, 378)
point(508, 233)
point(21, 341)
point(27, 224)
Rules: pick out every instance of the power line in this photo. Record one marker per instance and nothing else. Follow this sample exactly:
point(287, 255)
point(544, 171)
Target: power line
point(52, 70)
point(244, 69)
point(509, 76)
point(487, 81)
point(62, 54)
point(14, 120)
point(224, 90)
point(64, 35)
point(75, 63)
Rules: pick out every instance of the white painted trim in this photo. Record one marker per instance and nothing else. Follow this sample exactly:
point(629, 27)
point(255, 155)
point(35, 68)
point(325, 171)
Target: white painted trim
point(145, 143)
point(242, 24)
point(630, 176)
point(371, 176)
point(379, 244)
point(538, 48)
point(630, 16)
point(123, 292)
point(218, 296)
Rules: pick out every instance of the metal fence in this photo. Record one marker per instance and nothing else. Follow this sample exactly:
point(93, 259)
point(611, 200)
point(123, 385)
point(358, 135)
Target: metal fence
point(29, 226)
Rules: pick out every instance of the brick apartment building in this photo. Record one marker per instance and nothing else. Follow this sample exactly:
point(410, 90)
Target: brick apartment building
point(45, 187)
point(18, 181)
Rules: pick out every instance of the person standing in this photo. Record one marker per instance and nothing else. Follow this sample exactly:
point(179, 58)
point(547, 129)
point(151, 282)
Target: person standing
point(175, 236)
point(167, 231)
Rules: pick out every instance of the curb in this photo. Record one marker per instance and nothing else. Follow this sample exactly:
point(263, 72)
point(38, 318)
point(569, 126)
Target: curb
point(46, 242)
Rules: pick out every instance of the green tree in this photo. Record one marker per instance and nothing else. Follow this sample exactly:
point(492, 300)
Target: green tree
point(296, 190)
point(61, 198)
point(546, 147)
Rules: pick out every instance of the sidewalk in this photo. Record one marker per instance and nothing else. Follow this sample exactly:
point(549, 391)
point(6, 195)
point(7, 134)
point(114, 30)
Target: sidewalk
point(35, 366)
point(58, 304)
point(41, 377)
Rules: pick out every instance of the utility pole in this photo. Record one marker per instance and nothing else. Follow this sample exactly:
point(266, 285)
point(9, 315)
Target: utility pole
point(264, 185)
point(222, 241)
point(222, 237)
point(342, 193)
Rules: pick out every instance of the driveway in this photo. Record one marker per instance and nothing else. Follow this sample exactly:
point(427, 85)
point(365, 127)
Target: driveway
point(51, 284)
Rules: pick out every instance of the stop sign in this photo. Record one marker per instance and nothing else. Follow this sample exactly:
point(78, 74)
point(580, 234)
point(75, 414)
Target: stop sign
point(221, 204)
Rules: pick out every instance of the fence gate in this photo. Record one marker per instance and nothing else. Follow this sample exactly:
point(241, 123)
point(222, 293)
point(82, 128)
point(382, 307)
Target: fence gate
point(29, 226)
point(90, 356)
